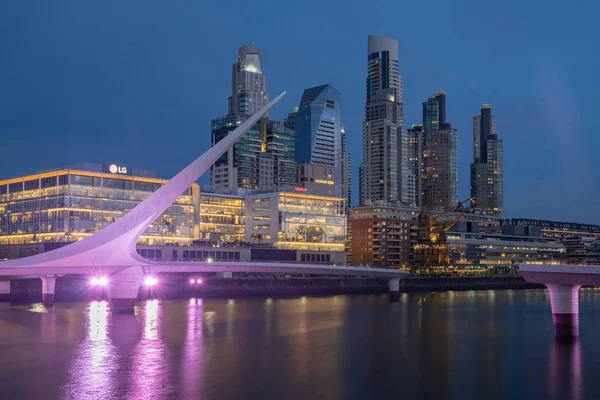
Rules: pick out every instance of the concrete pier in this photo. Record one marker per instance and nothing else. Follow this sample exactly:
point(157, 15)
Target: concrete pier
point(4, 290)
point(563, 282)
point(48, 285)
point(123, 289)
point(564, 300)
point(394, 286)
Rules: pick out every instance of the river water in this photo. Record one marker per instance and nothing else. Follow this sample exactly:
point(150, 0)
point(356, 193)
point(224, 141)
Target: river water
point(447, 345)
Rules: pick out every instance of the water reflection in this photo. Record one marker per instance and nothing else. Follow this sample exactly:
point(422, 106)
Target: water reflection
point(192, 363)
point(150, 371)
point(565, 375)
point(91, 375)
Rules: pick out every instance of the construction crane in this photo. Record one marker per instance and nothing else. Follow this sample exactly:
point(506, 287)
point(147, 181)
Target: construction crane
point(430, 252)
point(437, 232)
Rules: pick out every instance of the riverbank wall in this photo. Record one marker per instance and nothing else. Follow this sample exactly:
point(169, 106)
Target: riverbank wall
point(178, 286)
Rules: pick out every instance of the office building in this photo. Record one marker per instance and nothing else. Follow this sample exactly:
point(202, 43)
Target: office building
point(385, 171)
point(222, 218)
point(473, 252)
point(68, 204)
point(318, 140)
point(581, 241)
point(487, 177)
point(296, 221)
point(439, 182)
point(248, 84)
point(264, 157)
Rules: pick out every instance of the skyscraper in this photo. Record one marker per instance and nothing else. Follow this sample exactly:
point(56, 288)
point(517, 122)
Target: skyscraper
point(440, 155)
point(487, 176)
point(415, 159)
point(318, 140)
point(248, 84)
point(346, 172)
point(385, 172)
point(264, 157)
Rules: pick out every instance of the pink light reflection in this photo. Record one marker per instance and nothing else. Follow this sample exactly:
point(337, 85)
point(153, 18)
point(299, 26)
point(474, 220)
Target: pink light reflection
point(192, 363)
point(150, 372)
point(92, 371)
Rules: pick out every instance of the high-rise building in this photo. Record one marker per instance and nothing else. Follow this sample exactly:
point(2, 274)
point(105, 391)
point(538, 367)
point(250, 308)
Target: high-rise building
point(318, 140)
point(440, 155)
point(290, 121)
point(264, 157)
point(415, 158)
point(248, 84)
point(385, 172)
point(346, 166)
point(487, 177)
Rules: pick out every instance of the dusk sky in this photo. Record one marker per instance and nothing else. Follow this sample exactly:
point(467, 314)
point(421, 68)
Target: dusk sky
point(137, 83)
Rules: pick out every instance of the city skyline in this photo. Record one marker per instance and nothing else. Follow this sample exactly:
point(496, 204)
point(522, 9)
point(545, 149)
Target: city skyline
point(536, 163)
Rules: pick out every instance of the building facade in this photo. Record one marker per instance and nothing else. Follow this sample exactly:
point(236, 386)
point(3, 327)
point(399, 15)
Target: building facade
point(487, 175)
point(581, 241)
point(66, 205)
point(318, 135)
point(440, 155)
point(222, 218)
point(415, 159)
point(484, 253)
point(296, 221)
point(346, 173)
point(382, 235)
point(385, 172)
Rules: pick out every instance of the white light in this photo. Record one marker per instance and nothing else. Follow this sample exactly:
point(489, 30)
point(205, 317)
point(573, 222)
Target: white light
point(209, 259)
point(199, 281)
point(103, 281)
point(149, 281)
point(192, 281)
point(94, 281)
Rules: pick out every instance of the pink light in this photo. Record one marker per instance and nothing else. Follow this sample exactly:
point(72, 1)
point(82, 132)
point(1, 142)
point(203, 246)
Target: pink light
point(192, 281)
point(199, 281)
point(103, 281)
point(149, 281)
point(94, 281)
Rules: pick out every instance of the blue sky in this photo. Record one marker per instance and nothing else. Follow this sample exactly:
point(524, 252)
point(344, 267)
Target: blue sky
point(137, 83)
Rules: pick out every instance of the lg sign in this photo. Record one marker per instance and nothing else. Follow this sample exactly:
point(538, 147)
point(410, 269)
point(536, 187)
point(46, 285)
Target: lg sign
point(115, 169)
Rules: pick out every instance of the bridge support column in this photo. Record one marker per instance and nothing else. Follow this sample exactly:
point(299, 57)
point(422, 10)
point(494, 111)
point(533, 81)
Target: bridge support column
point(394, 285)
point(48, 285)
point(564, 300)
point(5, 291)
point(123, 289)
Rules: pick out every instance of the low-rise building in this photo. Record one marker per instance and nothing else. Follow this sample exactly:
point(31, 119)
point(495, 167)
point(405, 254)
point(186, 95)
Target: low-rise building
point(481, 252)
point(581, 241)
point(383, 234)
point(68, 204)
point(297, 221)
point(222, 218)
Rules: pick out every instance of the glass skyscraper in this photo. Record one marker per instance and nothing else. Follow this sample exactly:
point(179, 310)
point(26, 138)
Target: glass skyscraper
point(264, 157)
point(318, 139)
